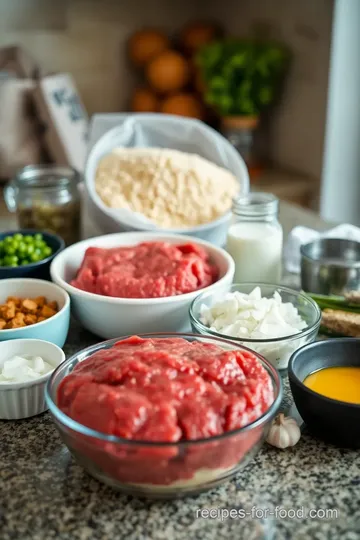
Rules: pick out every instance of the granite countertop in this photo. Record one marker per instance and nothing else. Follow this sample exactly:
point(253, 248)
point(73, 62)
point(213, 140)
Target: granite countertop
point(45, 494)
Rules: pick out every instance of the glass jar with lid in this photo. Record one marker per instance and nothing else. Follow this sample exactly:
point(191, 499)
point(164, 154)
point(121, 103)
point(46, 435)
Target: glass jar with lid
point(255, 238)
point(46, 197)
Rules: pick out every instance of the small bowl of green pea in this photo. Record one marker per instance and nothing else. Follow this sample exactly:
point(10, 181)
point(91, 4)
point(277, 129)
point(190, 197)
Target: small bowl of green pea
point(28, 253)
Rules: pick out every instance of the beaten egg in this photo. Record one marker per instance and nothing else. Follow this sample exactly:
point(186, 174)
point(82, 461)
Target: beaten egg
point(341, 383)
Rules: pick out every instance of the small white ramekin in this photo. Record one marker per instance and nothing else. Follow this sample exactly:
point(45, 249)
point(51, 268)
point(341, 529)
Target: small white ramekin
point(24, 399)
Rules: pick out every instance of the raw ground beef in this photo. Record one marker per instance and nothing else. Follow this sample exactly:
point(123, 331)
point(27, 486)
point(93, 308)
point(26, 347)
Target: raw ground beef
point(166, 390)
point(147, 270)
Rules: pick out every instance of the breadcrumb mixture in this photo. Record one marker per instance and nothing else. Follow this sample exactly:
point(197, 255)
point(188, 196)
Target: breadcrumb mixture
point(171, 188)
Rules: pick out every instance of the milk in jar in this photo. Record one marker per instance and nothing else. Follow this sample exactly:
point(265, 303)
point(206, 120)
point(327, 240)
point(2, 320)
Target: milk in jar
point(255, 239)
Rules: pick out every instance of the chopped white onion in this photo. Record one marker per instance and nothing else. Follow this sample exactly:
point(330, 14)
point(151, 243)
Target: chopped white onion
point(23, 368)
point(251, 316)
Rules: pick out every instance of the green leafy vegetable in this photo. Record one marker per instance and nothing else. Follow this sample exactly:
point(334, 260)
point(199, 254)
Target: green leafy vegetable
point(241, 76)
point(334, 302)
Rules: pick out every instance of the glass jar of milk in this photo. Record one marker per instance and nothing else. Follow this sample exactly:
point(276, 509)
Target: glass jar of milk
point(255, 238)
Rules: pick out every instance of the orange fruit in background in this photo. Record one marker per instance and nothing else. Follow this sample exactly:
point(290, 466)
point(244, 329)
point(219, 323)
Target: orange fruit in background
point(168, 72)
point(144, 100)
point(144, 45)
point(194, 35)
point(183, 104)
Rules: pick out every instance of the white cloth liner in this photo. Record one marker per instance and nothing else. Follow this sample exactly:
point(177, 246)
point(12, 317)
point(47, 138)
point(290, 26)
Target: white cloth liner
point(302, 235)
point(161, 131)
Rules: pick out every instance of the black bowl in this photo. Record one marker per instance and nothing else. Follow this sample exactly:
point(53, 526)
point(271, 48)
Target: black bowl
point(333, 421)
point(40, 269)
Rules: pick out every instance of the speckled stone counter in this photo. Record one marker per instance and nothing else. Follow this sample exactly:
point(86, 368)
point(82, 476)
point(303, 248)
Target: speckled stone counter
point(44, 494)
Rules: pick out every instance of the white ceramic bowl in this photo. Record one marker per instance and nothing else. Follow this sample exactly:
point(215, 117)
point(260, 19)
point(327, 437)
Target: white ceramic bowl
point(24, 399)
point(111, 317)
point(161, 131)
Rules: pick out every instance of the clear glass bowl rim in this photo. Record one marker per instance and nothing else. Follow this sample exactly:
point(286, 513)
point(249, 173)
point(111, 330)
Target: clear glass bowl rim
point(204, 330)
point(83, 430)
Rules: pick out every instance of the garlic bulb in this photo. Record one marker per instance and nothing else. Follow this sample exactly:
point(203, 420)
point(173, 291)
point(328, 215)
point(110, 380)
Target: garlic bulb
point(284, 432)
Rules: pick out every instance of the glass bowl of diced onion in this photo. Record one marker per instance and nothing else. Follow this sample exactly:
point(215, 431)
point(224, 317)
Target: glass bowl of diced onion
point(272, 320)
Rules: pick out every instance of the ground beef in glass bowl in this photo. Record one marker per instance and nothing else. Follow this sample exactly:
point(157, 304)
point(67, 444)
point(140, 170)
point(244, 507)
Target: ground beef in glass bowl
point(164, 415)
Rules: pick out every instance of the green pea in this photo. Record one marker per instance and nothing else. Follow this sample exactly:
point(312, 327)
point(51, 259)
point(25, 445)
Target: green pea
point(30, 249)
point(24, 262)
point(7, 260)
point(47, 251)
point(28, 239)
point(22, 249)
point(35, 257)
point(38, 236)
point(15, 244)
point(14, 259)
point(18, 237)
point(10, 250)
point(8, 239)
point(39, 244)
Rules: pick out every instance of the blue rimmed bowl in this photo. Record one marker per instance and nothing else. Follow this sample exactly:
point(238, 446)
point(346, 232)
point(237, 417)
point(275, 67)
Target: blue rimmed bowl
point(55, 329)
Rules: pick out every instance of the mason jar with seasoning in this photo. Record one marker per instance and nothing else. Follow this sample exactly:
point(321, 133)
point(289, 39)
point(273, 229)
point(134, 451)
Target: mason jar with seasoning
point(46, 197)
point(255, 238)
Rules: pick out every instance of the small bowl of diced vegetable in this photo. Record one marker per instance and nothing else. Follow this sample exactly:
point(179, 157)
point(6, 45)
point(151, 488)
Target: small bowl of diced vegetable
point(28, 253)
point(25, 367)
point(272, 320)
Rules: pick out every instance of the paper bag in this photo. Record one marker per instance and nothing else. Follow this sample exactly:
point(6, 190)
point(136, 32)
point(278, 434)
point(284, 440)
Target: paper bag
point(19, 128)
point(64, 119)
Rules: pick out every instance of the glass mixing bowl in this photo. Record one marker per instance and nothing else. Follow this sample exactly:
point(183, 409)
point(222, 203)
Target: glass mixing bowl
point(161, 469)
point(276, 350)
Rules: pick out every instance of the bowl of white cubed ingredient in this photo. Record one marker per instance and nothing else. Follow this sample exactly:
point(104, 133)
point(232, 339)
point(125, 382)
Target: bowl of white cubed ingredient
point(272, 320)
point(25, 367)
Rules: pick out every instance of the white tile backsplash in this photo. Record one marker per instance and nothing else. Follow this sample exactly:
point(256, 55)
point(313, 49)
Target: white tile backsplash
point(88, 38)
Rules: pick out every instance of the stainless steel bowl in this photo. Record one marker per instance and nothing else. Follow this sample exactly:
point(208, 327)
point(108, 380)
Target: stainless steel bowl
point(330, 266)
